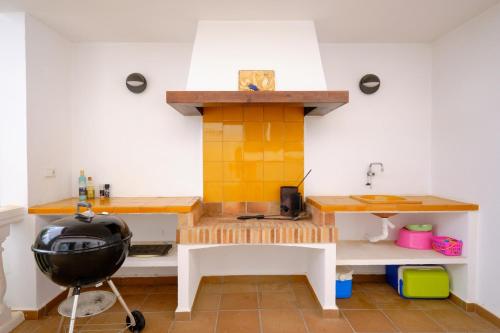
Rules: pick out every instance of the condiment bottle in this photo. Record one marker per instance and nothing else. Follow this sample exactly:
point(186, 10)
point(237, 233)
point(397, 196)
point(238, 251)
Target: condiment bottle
point(90, 189)
point(82, 186)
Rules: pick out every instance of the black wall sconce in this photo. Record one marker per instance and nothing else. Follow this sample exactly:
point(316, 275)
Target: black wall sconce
point(136, 83)
point(369, 84)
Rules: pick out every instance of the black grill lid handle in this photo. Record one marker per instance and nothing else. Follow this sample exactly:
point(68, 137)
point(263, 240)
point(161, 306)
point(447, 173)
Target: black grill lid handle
point(87, 215)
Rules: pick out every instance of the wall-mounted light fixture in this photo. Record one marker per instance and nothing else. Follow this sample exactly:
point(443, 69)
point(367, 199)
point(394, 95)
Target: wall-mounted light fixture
point(369, 84)
point(136, 83)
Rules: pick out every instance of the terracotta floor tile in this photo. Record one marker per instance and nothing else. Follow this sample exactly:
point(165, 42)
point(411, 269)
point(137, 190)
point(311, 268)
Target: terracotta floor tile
point(28, 326)
point(368, 321)
point(412, 321)
point(211, 288)
point(389, 300)
point(131, 290)
point(238, 322)
point(274, 287)
point(163, 289)
point(207, 302)
point(316, 323)
point(435, 304)
point(276, 300)
point(357, 287)
point(158, 322)
point(371, 286)
point(159, 302)
point(236, 287)
point(282, 321)
point(51, 324)
point(107, 318)
point(276, 278)
point(359, 301)
point(251, 279)
point(108, 322)
point(240, 301)
point(299, 286)
point(381, 293)
point(305, 299)
point(488, 326)
point(201, 322)
point(460, 321)
point(134, 302)
point(213, 279)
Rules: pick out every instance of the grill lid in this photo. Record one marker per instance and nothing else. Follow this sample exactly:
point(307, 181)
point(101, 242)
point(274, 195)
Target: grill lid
point(82, 232)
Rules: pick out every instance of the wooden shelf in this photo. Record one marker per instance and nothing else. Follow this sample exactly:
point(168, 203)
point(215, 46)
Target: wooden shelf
point(362, 253)
point(315, 103)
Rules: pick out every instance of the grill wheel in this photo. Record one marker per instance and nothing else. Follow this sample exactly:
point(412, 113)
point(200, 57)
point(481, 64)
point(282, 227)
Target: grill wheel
point(140, 322)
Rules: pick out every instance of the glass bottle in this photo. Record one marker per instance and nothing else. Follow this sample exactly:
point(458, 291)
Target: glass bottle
point(82, 186)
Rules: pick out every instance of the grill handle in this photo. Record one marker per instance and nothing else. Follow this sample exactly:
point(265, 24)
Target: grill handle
point(87, 215)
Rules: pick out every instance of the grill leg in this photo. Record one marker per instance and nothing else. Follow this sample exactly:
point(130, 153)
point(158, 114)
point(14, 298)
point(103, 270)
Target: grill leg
point(76, 293)
point(122, 302)
point(61, 321)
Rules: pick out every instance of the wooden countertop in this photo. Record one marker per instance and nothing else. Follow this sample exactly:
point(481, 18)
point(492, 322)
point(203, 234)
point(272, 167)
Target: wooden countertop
point(133, 205)
point(331, 204)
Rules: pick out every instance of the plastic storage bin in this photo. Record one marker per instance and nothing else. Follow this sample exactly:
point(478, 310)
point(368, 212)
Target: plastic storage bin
point(423, 282)
point(421, 240)
point(419, 284)
point(391, 276)
point(447, 245)
point(343, 284)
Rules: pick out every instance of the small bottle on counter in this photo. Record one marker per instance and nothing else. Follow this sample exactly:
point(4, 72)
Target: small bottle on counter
point(82, 186)
point(90, 189)
point(107, 190)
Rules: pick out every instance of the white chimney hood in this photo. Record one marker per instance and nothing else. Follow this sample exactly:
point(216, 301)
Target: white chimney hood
point(222, 48)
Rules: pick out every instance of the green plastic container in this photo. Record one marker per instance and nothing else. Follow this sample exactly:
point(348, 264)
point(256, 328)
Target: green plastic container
point(426, 283)
point(419, 227)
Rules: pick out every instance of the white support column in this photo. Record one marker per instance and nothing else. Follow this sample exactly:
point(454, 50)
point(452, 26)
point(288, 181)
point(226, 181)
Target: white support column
point(472, 255)
point(322, 274)
point(8, 319)
point(188, 278)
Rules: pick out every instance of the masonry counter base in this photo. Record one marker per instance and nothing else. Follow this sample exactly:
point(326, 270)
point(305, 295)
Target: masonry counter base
point(312, 260)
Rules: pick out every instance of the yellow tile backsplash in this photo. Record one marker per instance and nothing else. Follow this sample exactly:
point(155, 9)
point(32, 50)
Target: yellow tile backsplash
point(232, 151)
point(253, 151)
point(249, 151)
point(232, 131)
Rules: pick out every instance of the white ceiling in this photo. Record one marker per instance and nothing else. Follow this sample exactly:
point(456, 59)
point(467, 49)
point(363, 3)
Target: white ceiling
point(175, 20)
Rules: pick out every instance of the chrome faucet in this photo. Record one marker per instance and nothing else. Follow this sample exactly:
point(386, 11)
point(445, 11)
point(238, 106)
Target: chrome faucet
point(370, 174)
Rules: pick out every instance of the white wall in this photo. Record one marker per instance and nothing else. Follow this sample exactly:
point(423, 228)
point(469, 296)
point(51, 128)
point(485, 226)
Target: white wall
point(391, 126)
point(135, 142)
point(466, 127)
point(222, 48)
point(117, 133)
point(48, 120)
point(48, 57)
point(42, 125)
point(13, 159)
point(19, 268)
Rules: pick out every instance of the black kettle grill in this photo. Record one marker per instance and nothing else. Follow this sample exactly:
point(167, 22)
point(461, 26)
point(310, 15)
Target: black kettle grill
point(85, 250)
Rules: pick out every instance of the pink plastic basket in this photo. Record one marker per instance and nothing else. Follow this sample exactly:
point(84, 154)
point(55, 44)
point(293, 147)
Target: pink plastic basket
point(447, 245)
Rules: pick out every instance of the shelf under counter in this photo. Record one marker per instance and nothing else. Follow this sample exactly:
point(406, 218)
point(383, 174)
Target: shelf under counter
point(364, 253)
point(169, 260)
point(121, 205)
